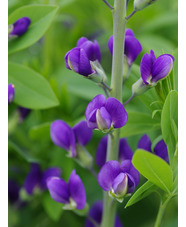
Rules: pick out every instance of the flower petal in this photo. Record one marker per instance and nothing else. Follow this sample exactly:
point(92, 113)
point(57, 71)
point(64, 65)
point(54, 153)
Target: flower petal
point(21, 26)
point(131, 184)
point(161, 150)
point(13, 191)
point(91, 121)
point(129, 32)
point(120, 184)
point(132, 49)
point(117, 112)
point(103, 119)
point(81, 41)
point(101, 151)
point(33, 178)
point(82, 132)
point(125, 151)
point(162, 67)
point(77, 190)
point(146, 67)
point(107, 174)
point(50, 172)
point(58, 189)
point(145, 143)
point(63, 136)
point(127, 167)
point(110, 44)
point(96, 103)
point(95, 213)
point(11, 93)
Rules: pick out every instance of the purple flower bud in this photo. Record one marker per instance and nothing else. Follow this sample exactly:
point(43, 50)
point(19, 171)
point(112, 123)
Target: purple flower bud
point(145, 143)
point(72, 193)
point(78, 61)
point(118, 179)
point(141, 4)
point(132, 46)
point(105, 114)
point(160, 149)
point(36, 179)
point(11, 93)
point(96, 212)
point(153, 70)
point(20, 26)
point(92, 49)
point(63, 136)
point(125, 151)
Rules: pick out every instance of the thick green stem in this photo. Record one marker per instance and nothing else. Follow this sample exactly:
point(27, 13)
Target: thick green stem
point(119, 24)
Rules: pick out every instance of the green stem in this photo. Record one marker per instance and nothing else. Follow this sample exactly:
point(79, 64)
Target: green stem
point(119, 24)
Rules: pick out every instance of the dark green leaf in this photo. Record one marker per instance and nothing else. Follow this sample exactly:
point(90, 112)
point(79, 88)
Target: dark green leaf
point(31, 89)
point(41, 17)
point(155, 169)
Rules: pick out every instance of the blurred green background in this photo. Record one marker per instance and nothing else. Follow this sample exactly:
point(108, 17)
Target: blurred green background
point(156, 27)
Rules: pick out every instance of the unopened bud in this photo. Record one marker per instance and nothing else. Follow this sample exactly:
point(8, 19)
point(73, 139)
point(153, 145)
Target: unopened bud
point(141, 4)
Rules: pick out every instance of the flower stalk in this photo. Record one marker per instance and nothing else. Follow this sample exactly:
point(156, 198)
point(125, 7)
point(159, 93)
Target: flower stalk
point(119, 25)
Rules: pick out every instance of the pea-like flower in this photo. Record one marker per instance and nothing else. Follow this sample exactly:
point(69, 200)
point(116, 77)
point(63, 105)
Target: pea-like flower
point(160, 149)
point(20, 27)
point(105, 115)
point(11, 93)
point(96, 212)
point(132, 46)
point(36, 178)
point(118, 179)
point(125, 151)
point(72, 194)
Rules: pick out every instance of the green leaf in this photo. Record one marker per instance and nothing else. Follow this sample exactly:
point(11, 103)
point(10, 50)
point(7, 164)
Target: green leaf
point(145, 190)
point(52, 208)
point(40, 132)
point(31, 89)
point(169, 122)
point(139, 123)
point(41, 17)
point(155, 169)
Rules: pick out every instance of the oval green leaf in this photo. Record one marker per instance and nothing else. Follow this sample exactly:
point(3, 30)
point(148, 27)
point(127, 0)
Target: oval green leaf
point(155, 169)
point(31, 89)
point(41, 17)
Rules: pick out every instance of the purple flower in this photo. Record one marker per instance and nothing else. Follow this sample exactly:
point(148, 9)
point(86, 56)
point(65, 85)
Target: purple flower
point(132, 46)
point(11, 93)
point(92, 49)
point(78, 61)
point(125, 151)
point(36, 179)
point(66, 137)
point(154, 69)
point(20, 26)
point(105, 114)
point(72, 194)
point(96, 212)
point(160, 149)
point(23, 113)
point(117, 179)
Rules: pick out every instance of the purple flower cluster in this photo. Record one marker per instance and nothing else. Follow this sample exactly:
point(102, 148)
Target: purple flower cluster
point(118, 179)
point(160, 149)
point(11, 93)
point(20, 26)
point(132, 46)
point(96, 212)
point(66, 137)
point(72, 194)
point(36, 179)
point(105, 114)
point(79, 58)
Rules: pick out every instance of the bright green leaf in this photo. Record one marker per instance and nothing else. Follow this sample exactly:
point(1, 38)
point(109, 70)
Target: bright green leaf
point(145, 190)
point(41, 17)
point(31, 89)
point(155, 169)
point(169, 122)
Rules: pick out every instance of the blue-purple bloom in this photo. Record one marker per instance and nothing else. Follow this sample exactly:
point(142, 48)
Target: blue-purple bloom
point(105, 114)
point(11, 93)
point(118, 179)
point(36, 178)
point(20, 26)
point(154, 69)
point(160, 149)
point(72, 194)
point(132, 46)
point(96, 212)
point(66, 137)
point(125, 151)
